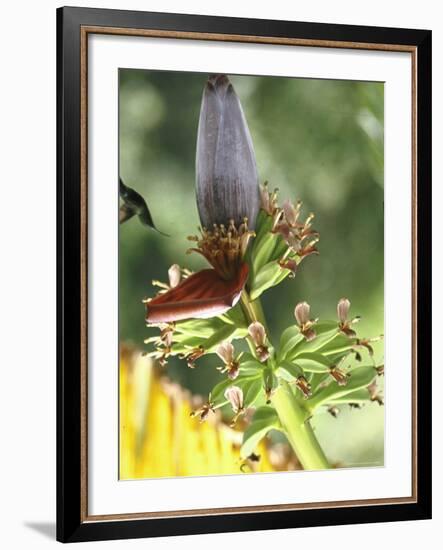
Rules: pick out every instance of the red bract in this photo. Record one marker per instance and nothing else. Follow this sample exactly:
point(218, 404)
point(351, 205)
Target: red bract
point(202, 295)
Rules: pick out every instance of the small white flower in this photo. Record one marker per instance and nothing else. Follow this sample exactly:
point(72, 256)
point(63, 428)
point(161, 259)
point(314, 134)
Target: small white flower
point(174, 274)
point(291, 213)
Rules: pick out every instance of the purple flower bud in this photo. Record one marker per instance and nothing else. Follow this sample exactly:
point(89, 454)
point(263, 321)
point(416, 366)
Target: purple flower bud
point(227, 180)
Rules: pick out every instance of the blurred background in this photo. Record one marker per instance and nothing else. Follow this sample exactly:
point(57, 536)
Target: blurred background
point(320, 141)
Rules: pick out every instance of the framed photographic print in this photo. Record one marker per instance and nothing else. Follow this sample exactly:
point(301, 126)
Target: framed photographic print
point(244, 270)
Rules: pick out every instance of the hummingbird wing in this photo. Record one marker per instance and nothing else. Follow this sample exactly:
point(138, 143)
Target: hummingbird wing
point(134, 204)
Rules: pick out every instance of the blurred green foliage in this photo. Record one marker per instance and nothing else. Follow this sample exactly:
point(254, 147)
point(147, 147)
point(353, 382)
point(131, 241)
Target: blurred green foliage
point(320, 141)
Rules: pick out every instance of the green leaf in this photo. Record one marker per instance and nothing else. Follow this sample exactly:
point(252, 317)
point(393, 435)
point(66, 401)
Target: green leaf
point(317, 380)
point(198, 327)
point(260, 400)
point(186, 344)
point(281, 276)
point(183, 343)
point(268, 276)
point(357, 396)
point(246, 357)
point(234, 316)
point(289, 371)
point(312, 366)
point(225, 333)
point(326, 332)
point(360, 378)
point(251, 390)
point(251, 367)
point(263, 223)
point(340, 344)
point(280, 249)
point(314, 362)
point(262, 251)
point(263, 226)
point(336, 358)
point(290, 338)
point(257, 430)
point(242, 381)
point(266, 413)
point(218, 391)
point(239, 333)
point(270, 380)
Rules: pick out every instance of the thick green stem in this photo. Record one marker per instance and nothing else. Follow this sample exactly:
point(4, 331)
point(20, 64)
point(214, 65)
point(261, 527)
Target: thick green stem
point(293, 417)
point(249, 311)
point(298, 430)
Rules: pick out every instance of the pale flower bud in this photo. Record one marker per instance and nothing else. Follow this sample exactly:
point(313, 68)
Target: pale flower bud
point(301, 312)
point(344, 324)
point(343, 309)
point(174, 274)
point(258, 335)
point(225, 351)
point(234, 395)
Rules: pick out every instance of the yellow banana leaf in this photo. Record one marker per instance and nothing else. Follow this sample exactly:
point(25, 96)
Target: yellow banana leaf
point(159, 438)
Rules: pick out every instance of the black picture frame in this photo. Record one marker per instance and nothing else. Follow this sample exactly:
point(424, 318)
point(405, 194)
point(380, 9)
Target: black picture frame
point(72, 525)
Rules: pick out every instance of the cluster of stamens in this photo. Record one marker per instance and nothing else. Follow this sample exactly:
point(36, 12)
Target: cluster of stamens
point(269, 202)
point(304, 386)
point(366, 343)
point(374, 394)
point(162, 343)
point(285, 222)
point(203, 411)
point(192, 356)
point(223, 247)
point(339, 376)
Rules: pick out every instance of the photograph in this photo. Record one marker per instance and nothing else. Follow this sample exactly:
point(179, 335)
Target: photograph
point(225, 214)
point(250, 274)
